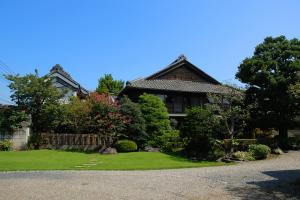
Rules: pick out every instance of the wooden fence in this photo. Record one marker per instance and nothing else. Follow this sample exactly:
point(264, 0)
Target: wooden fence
point(74, 141)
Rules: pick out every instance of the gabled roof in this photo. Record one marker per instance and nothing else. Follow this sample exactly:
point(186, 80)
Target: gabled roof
point(179, 62)
point(69, 80)
point(177, 85)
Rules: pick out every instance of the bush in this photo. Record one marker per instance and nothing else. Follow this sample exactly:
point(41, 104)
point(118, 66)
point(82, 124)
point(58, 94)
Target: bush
point(156, 116)
point(259, 151)
point(6, 145)
point(126, 146)
point(198, 132)
point(34, 141)
point(263, 133)
point(136, 129)
point(171, 141)
point(243, 155)
point(216, 153)
point(294, 142)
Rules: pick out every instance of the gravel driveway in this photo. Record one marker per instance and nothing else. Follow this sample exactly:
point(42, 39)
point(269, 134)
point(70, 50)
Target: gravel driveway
point(277, 178)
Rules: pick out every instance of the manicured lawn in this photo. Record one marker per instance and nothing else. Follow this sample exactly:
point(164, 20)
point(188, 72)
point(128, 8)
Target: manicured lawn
point(62, 160)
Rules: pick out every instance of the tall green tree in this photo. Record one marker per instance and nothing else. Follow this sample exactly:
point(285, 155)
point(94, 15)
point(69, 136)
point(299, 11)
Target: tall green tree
point(198, 131)
point(271, 75)
point(108, 85)
point(33, 94)
point(136, 129)
point(156, 116)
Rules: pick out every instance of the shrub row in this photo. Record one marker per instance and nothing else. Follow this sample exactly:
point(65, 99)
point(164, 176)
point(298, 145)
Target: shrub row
point(6, 145)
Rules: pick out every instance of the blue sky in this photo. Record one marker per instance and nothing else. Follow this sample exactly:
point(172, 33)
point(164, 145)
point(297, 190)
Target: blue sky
point(134, 38)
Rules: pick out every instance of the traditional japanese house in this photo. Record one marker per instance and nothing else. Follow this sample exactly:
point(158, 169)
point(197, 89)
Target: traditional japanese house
point(180, 85)
point(63, 81)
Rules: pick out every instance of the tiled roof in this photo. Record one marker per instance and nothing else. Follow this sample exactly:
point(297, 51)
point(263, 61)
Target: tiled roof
point(59, 69)
point(177, 85)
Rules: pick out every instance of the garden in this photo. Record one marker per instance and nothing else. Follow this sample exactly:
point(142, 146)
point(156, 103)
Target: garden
point(243, 124)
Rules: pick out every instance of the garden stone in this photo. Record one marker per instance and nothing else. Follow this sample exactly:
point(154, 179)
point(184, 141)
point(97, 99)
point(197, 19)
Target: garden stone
point(109, 150)
point(151, 149)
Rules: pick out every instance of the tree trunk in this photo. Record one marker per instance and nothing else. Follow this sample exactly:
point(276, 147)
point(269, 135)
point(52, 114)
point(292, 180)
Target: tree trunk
point(283, 138)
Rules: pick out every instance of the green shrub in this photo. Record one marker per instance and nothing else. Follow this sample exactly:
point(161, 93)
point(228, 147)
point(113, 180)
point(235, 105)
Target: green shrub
point(156, 117)
point(243, 155)
point(198, 131)
point(136, 129)
point(217, 153)
point(34, 141)
point(171, 141)
point(6, 145)
point(126, 146)
point(294, 141)
point(263, 133)
point(259, 151)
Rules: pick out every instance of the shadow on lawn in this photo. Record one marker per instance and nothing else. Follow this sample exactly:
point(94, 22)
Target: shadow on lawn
point(285, 184)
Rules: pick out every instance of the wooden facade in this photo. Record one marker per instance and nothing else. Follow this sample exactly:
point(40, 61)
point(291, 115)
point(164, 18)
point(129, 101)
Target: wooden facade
point(180, 85)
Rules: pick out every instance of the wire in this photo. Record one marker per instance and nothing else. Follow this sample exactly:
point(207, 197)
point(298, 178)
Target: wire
point(6, 67)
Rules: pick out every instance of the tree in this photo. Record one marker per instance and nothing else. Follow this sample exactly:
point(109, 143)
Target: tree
point(157, 120)
point(270, 75)
point(108, 85)
point(136, 129)
point(11, 119)
point(106, 118)
point(198, 131)
point(73, 117)
point(229, 108)
point(32, 94)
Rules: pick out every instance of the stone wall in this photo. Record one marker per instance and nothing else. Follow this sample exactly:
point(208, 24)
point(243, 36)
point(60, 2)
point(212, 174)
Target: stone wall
point(74, 141)
point(19, 138)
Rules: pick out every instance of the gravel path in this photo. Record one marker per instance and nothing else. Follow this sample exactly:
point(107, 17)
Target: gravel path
point(277, 178)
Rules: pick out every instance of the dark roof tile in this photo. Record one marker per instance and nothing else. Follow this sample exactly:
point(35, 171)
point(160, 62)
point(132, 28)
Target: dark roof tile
point(177, 85)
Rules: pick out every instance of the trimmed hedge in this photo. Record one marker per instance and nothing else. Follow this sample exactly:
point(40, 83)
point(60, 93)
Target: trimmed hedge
point(126, 146)
point(259, 151)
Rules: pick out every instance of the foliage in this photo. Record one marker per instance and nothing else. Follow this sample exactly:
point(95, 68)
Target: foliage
point(243, 155)
point(32, 94)
point(156, 116)
point(231, 111)
point(272, 77)
point(68, 118)
point(6, 145)
point(34, 141)
point(108, 85)
point(263, 133)
point(136, 129)
point(171, 141)
point(11, 119)
point(197, 130)
point(106, 117)
point(62, 160)
point(294, 141)
point(97, 114)
point(126, 146)
point(259, 151)
point(216, 153)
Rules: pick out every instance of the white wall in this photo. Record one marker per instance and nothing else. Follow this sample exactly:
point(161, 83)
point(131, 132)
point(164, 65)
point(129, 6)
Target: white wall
point(19, 138)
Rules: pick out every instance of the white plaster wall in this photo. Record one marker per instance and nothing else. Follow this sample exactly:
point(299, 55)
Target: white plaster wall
point(19, 138)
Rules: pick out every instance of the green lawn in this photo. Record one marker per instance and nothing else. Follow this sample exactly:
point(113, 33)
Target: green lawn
point(62, 160)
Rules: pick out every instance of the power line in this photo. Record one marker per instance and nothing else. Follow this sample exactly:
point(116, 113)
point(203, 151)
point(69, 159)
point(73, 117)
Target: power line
point(4, 71)
point(6, 67)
